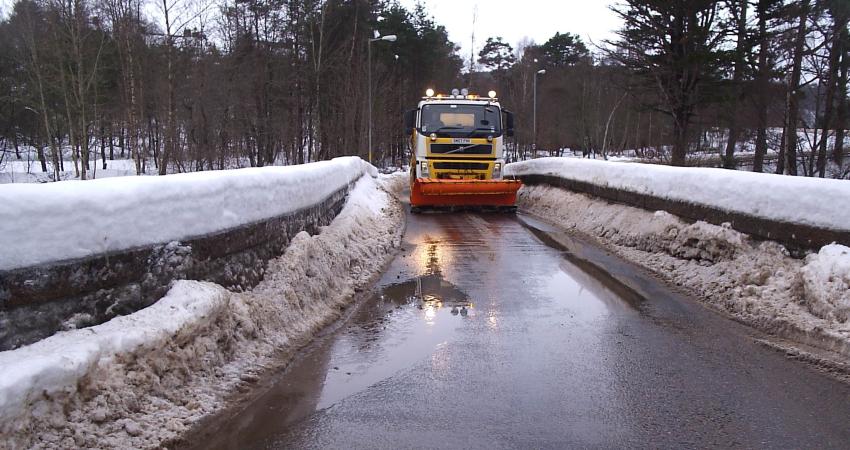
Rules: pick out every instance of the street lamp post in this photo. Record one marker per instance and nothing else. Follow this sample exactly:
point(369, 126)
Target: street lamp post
point(388, 38)
point(534, 113)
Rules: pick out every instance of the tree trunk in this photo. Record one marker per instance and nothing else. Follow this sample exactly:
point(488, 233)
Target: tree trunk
point(680, 138)
point(780, 161)
point(841, 114)
point(792, 118)
point(738, 75)
point(169, 141)
point(831, 86)
point(41, 159)
point(762, 81)
point(15, 144)
point(794, 93)
point(36, 70)
point(102, 145)
point(58, 160)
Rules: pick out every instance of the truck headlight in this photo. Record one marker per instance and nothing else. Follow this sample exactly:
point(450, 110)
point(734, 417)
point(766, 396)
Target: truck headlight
point(497, 170)
point(423, 169)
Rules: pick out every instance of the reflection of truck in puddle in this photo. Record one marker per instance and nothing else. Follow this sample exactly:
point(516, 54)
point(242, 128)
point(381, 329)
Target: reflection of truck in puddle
point(430, 293)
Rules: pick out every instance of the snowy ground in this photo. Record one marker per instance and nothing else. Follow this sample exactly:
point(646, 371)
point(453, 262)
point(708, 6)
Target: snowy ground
point(139, 380)
point(806, 300)
point(27, 168)
point(713, 147)
point(29, 171)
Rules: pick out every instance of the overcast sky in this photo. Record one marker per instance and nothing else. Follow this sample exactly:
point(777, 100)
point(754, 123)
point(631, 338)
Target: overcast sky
point(515, 19)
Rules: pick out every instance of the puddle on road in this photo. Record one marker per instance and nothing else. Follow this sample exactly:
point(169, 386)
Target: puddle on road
point(419, 315)
point(402, 324)
point(583, 265)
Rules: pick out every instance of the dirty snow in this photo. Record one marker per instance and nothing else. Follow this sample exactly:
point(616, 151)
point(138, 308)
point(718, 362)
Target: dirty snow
point(53, 366)
point(152, 381)
point(782, 198)
point(73, 219)
point(757, 282)
point(826, 282)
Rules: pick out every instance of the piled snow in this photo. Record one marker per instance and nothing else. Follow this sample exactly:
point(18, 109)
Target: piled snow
point(826, 281)
point(396, 182)
point(153, 381)
point(808, 201)
point(72, 219)
point(53, 366)
point(756, 282)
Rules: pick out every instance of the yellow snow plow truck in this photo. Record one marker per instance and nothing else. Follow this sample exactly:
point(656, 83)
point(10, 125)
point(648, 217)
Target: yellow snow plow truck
point(457, 156)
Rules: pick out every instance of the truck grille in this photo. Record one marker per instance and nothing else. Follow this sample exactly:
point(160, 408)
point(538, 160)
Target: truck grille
point(461, 166)
point(478, 149)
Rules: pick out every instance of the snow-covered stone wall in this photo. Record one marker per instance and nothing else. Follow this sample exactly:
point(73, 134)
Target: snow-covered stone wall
point(797, 211)
point(141, 380)
point(77, 253)
point(42, 223)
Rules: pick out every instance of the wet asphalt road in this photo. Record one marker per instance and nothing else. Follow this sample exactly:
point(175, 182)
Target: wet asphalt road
point(497, 331)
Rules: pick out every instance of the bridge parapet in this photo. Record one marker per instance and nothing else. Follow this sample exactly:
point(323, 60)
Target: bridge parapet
point(802, 214)
point(235, 235)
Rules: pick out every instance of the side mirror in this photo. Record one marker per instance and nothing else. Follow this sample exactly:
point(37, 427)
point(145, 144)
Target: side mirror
point(409, 121)
point(509, 123)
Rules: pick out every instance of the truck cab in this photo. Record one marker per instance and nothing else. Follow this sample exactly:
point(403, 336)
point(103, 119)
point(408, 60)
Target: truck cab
point(458, 136)
point(457, 146)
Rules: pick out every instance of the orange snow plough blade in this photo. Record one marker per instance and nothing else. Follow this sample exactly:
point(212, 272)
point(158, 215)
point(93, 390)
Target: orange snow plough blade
point(430, 192)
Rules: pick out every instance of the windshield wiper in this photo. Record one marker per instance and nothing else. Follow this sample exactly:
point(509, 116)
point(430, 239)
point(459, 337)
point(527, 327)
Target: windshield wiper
point(447, 127)
point(481, 129)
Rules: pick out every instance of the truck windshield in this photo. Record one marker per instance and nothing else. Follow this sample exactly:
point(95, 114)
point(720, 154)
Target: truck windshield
point(461, 120)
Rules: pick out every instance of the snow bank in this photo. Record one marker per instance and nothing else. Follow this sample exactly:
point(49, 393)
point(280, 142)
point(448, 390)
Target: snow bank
point(53, 366)
point(801, 200)
point(826, 282)
point(757, 282)
point(73, 219)
point(139, 381)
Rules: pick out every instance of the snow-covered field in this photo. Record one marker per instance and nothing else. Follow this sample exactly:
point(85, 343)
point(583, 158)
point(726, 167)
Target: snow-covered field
point(817, 202)
point(758, 282)
point(29, 171)
point(712, 148)
point(139, 380)
point(24, 166)
point(74, 219)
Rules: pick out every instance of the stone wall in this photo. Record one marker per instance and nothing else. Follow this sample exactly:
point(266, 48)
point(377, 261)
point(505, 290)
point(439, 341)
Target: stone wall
point(38, 301)
point(793, 235)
